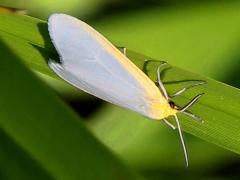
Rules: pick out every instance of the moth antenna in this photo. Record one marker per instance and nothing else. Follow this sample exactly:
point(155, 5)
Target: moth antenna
point(169, 124)
point(182, 140)
point(191, 102)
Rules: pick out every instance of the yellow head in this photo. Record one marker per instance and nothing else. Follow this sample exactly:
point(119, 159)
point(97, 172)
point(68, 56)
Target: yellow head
point(163, 110)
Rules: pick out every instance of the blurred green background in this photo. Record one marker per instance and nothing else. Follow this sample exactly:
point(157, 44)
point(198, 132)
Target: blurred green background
point(200, 36)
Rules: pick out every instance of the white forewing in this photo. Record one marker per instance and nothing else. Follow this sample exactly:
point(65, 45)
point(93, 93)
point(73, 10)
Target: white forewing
point(91, 63)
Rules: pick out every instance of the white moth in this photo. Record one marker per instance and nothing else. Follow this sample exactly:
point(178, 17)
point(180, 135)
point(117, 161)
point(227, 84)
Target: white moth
point(91, 63)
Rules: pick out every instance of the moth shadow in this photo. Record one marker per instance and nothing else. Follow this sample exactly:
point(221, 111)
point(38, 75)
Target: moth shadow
point(148, 64)
point(47, 51)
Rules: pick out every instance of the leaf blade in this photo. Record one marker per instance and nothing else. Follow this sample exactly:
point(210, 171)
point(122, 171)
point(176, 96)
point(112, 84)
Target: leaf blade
point(48, 130)
point(218, 96)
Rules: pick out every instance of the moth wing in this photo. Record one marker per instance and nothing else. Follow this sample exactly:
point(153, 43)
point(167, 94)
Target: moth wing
point(91, 63)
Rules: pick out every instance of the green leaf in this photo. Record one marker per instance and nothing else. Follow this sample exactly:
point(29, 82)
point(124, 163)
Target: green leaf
point(16, 163)
point(219, 107)
point(44, 134)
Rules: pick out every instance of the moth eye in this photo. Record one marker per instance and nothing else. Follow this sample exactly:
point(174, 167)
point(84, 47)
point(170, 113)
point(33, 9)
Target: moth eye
point(172, 105)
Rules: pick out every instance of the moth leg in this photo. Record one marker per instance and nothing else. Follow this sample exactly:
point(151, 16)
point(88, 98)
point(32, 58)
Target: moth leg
point(182, 140)
point(169, 124)
point(123, 50)
point(161, 86)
